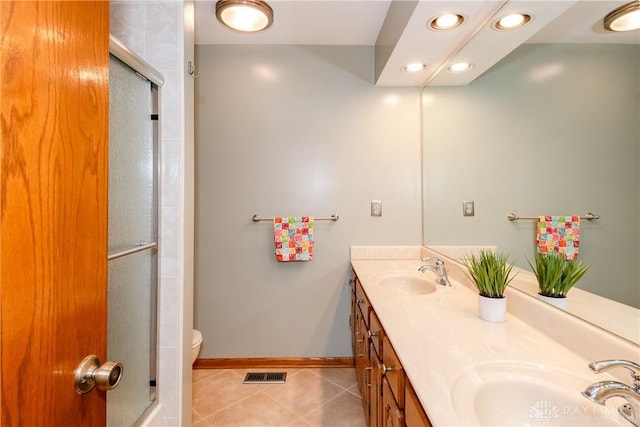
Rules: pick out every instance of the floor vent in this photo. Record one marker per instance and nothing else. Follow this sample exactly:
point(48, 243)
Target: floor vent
point(265, 378)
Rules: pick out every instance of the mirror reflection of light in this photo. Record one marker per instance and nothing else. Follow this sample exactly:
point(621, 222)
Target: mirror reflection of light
point(392, 100)
point(427, 99)
point(265, 73)
point(545, 72)
point(459, 67)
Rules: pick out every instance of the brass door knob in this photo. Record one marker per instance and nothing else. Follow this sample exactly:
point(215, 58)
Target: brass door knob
point(90, 374)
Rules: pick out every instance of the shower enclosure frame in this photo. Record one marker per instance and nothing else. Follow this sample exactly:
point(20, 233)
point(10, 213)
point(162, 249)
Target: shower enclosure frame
point(118, 50)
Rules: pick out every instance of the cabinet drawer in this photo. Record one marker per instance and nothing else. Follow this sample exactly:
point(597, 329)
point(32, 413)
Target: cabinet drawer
point(375, 332)
point(413, 412)
point(393, 372)
point(362, 301)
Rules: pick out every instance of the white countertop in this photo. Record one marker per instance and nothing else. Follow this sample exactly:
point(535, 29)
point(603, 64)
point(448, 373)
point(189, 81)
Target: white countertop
point(440, 339)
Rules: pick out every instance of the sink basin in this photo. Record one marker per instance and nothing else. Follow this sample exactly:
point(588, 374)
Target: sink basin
point(409, 282)
point(521, 394)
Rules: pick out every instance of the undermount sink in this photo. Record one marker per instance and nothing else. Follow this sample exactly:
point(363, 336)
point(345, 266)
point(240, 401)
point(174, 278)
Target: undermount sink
point(409, 282)
point(522, 394)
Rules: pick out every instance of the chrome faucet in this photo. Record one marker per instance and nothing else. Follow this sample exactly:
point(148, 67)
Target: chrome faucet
point(438, 268)
point(601, 391)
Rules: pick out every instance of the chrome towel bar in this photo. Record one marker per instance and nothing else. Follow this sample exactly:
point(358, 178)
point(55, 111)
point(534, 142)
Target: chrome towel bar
point(333, 217)
point(138, 248)
point(589, 217)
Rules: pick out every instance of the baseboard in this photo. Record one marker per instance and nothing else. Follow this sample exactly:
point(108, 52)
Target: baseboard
point(274, 362)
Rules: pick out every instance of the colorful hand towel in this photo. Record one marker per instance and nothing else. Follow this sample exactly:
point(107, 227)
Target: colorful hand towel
point(293, 238)
point(560, 234)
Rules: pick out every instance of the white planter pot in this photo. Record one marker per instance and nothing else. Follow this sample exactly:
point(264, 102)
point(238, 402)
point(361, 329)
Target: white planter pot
point(561, 302)
point(492, 309)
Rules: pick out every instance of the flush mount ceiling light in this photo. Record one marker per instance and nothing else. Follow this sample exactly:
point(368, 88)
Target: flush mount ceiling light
point(446, 21)
point(244, 15)
point(512, 22)
point(459, 67)
point(414, 68)
point(624, 18)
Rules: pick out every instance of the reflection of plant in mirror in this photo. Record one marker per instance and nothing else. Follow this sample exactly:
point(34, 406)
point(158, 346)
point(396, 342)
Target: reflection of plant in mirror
point(556, 275)
point(489, 272)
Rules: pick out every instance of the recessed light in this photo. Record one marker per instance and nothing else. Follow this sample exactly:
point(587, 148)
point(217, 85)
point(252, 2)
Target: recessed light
point(446, 21)
point(414, 68)
point(624, 18)
point(459, 67)
point(511, 22)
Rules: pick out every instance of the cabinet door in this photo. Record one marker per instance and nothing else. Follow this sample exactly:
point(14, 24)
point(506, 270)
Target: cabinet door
point(352, 316)
point(393, 372)
point(376, 333)
point(362, 301)
point(414, 414)
point(361, 351)
point(392, 415)
point(375, 388)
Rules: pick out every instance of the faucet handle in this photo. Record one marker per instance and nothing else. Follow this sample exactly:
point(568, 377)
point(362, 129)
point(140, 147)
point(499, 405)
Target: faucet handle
point(431, 258)
point(605, 365)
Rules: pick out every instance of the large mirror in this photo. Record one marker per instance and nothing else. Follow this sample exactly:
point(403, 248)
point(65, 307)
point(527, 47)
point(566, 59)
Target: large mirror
point(552, 129)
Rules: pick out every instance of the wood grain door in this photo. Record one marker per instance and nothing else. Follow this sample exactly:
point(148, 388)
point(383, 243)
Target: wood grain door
point(53, 208)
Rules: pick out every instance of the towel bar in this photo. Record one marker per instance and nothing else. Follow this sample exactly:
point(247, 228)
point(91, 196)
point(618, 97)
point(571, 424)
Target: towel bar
point(333, 217)
point(589, 217)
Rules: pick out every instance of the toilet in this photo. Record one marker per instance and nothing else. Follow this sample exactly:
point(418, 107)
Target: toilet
point(196, 342)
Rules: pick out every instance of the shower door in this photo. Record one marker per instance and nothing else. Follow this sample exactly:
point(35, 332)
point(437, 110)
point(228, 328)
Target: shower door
point(133, 235)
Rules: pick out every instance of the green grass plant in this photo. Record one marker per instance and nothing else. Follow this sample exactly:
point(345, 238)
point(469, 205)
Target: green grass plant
point(490, 272)
point(555, 274)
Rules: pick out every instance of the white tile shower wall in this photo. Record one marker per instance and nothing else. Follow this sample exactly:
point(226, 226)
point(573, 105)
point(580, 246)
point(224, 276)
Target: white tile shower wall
point(155, 31)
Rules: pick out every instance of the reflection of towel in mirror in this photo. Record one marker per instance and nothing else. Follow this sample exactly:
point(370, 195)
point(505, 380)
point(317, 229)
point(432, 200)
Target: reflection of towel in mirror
point(293, 237)
point(560, 234)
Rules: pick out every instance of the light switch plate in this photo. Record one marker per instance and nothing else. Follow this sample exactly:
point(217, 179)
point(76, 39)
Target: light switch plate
point(468, 208)
point(376, 208)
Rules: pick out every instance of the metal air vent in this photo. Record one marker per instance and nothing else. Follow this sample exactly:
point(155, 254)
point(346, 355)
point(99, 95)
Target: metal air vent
point(265, 378)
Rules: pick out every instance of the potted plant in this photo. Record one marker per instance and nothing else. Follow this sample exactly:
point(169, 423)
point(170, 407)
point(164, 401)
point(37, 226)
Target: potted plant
point(490, 271)
point(556, 276)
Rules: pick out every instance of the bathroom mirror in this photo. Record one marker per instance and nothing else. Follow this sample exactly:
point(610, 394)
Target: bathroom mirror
point(551, 129)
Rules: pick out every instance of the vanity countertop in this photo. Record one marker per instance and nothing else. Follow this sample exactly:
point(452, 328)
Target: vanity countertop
point(441, 341)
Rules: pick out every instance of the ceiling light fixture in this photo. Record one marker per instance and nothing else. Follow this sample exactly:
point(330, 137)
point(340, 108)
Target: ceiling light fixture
point(459, 67)
point(414, 68)
point(446, 21)
point(247, 16)
point(624, 18)
point(512, 22)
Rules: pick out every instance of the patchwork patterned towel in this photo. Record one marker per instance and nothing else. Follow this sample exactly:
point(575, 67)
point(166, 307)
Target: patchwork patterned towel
point(293, 238)
point(560, 234)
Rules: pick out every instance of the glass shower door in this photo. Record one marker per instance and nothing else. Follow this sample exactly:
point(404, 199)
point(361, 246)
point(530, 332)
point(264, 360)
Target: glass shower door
point(133, 235)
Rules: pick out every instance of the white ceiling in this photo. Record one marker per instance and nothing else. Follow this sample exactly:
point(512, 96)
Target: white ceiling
point(359, 22)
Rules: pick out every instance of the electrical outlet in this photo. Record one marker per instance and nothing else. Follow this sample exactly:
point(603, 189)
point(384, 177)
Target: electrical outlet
point(376, 208)
point(467, 208)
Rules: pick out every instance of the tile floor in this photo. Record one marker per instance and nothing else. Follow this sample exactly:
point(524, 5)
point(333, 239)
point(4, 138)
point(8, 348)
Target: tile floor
point(319, 397)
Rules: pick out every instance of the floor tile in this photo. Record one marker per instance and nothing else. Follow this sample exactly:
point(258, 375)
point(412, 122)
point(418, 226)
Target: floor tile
point(310, 397)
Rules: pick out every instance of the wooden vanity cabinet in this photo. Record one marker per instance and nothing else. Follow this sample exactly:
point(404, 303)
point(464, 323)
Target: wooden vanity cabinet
point(414, 415)
point(367, 362)
point(381, 379)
